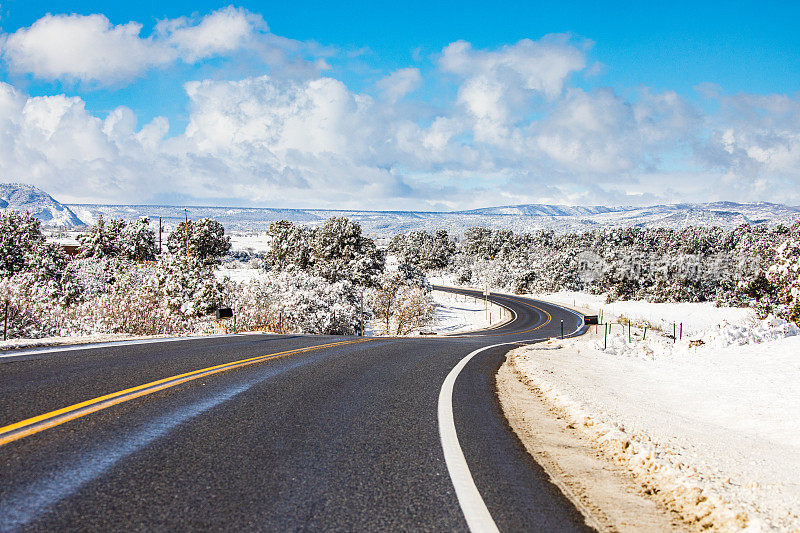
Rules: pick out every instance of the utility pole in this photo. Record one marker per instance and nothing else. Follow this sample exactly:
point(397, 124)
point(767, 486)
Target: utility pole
point(186, 227)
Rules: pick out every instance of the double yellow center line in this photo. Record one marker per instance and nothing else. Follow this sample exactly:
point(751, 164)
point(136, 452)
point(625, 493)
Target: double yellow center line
point(39, 423)
point(515, 300)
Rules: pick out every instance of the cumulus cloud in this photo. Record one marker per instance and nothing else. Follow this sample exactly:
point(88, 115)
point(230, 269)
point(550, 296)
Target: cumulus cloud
point(399, 83)
point(82, 48)
point(220, 32)
point(496, 86)
point(89, 48)
point(516, 131)
point(755, 141)
point(542, 66)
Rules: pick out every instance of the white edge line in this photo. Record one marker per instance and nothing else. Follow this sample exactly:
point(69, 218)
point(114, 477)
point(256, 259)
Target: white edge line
point(477, 515)
point(469, 498)
point(107, 344)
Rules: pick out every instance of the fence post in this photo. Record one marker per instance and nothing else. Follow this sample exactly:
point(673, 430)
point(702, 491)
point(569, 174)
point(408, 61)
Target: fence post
point(562, 330)
point(362, 314)
point(605, 336)
point(681, 333)
point(674, 334)
point(186, 227)
point(5, 322)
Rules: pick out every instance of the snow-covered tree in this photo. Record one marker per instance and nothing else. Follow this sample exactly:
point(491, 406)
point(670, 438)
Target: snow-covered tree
point(103, 239)
point(134, 241)
point(421, 249)
point(32, 311)
point(187, 286)
point(401, 300)
point(20, 235)
point(340, 252)
point(289, 246)
point(207, 240)
point(306, 303)
point(784, 275)
point(137, 241)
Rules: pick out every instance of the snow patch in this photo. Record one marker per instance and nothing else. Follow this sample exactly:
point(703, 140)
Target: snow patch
point(711, 426)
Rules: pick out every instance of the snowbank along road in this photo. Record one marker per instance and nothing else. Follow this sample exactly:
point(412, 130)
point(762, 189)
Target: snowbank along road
point(275, 432)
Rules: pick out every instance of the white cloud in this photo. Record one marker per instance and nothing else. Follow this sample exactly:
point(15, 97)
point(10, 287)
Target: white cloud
point(89, 48)
point(497, 87)
point(220, 32)
point(541, 66)
point(513, 133)
point(399, 83)
point(757, 138)
point(85, 48)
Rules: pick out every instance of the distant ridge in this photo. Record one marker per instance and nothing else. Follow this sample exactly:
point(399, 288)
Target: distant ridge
point(22, 197)
point(520, 218)
point(542, 210)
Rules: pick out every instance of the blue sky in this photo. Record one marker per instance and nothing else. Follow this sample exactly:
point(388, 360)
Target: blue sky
point(396, 105)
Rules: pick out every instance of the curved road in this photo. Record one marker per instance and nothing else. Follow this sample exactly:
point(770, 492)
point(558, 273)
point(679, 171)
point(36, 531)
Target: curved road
point(269, 432)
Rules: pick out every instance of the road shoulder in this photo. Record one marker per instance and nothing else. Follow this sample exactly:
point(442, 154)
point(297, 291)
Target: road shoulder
point(604, 492)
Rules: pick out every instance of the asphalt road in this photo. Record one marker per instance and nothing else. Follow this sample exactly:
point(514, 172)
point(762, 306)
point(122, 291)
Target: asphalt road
point(343, 437)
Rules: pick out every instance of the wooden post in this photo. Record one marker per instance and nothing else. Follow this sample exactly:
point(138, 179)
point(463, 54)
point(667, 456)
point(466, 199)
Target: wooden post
point(186, 227)
point(159, 235)
point(681, 333)
point(362, 314)
point(562, 330)
point(5, 322)
point(605, 336)
point(674, 337)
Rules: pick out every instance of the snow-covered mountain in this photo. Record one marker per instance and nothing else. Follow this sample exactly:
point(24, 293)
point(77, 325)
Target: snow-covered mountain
point(542, 210)
point(519, 218)
point(21, 197)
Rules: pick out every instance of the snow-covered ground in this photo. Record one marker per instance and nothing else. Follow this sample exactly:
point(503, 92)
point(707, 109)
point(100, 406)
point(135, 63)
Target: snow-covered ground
point(239, 275)
point(695, 317)
point(251, 241)
point(459, 314)
point(709, 421)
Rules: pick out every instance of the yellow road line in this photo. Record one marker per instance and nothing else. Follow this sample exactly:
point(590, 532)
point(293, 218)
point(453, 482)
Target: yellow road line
point(39, 423)
point(516, 300)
